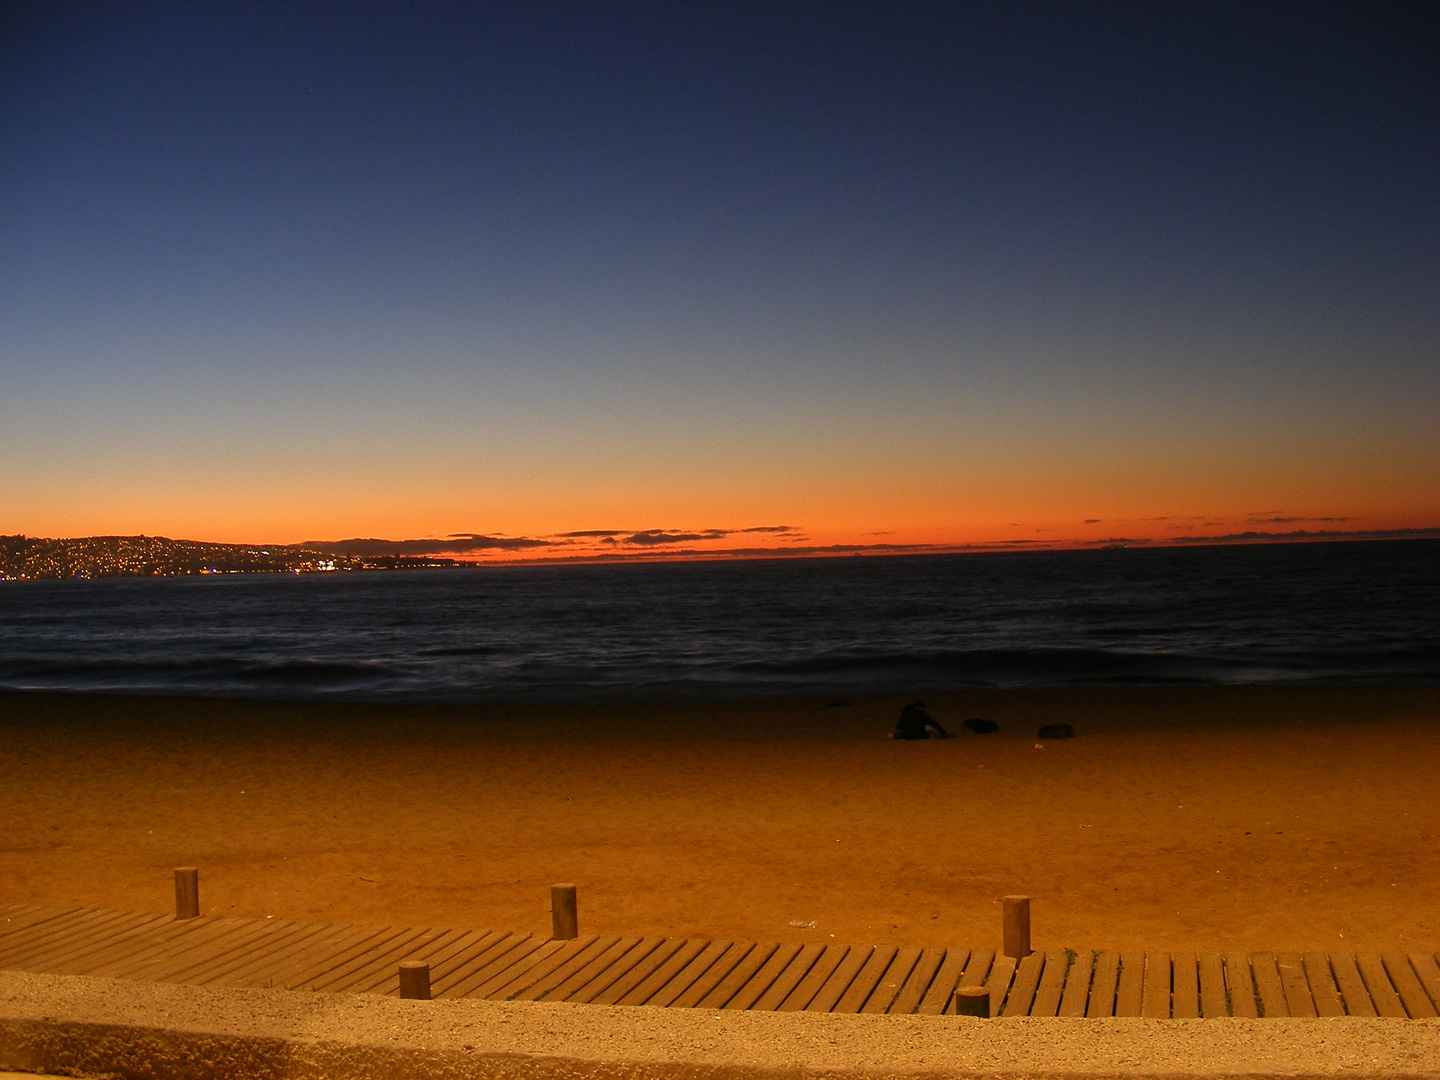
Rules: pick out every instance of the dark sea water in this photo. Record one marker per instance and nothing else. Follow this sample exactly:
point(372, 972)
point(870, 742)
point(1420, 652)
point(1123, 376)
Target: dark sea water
point(1300, 613)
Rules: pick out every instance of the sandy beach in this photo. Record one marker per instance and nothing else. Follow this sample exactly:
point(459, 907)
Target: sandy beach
point(1191, 818)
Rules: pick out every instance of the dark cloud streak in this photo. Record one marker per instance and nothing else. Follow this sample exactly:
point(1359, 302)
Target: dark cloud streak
point(470, 543)
point(457, 544)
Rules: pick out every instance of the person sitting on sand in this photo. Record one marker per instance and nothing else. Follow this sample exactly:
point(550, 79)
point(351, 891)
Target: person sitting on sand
point(916, 723)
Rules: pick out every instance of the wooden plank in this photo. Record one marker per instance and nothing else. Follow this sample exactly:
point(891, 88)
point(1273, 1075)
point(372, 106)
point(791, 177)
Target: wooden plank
point(17, 917)
point(1268, 987)
point(472, 960)
point(1052, 984)
point(218, 958)
point(28, 920)
point(917, 983)
point(1377, 983)
point(866, 980)
point(220, 954)
point(73, 953)
point(600, 982)
point(719, 995)
point(789, 978)
point(1352, 986)
point(214, 964)
point(1130, 993)
point(372, 968)
point(1184, 987)
point(42, 934)
point(663, 976)
point(977, 970)
point(647, 967)
point(232, 969)
point(437, 955)
point(1428, 971)
point(278, 942)
point(301, 971)
point(130, 958)
point(180, 938)
point(392, 952)
point(373, 977)
point(535, 950)
point(952, 973)
point(577, 953)
point(727, 962)
point(1412, 994)
point(637, 987)
point(449, 958)
point(892, 982)
point(638, 957)
point(840, 979)
point(581, 972)
point(258, 971)
point(560, 984)
point(1027, 979)
point(172, 961)
point(572, 954)
point(1155, 995)
point(222, 950)
point(1077, 985)
point(467, 957)
point(685, 977)
point(1002, 973)
point(1295, 984)
point(68, 954)
point(1212, 986)
point(920, 978)
point(33, 929)
point(294, 966)
point(501, 956)
point(759, 983)
point(1322, 985)
point(177, 948)
point(805, 991)
point(33, 947)
point(1103, 985)
point(1241, 982)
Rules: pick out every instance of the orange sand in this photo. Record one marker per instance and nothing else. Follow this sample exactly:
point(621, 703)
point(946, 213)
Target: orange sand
point(1196, 818)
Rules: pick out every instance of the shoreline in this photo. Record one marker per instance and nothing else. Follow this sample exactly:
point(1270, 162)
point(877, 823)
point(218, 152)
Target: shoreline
point(1208, 817)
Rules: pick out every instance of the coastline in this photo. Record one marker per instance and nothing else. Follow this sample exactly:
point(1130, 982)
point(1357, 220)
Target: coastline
point(1179, 818)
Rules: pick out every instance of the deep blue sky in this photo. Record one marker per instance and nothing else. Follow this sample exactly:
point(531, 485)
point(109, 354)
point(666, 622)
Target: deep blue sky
point(314, 269)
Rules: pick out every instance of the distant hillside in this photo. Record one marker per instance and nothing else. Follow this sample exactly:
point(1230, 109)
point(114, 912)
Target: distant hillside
point(28, 558)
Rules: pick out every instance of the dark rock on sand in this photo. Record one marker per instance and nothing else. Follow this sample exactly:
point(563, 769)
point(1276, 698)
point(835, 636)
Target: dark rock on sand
point(1057, 731)
point(981, 727)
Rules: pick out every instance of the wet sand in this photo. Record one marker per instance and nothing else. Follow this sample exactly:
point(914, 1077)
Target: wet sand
point(1189, 818)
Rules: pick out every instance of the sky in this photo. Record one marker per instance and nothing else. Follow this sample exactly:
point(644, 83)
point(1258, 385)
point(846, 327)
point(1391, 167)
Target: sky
point(561, 278)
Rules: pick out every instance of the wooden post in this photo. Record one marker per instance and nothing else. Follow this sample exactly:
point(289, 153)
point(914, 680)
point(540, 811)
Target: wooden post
point(1017, 926)
point(187, 892)
point(564, 922)
point(972, 1001)
point(415, 980)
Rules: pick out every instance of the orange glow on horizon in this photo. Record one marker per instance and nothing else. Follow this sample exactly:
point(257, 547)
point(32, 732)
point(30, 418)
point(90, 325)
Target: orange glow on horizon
point(839, 508)
point(749, 540)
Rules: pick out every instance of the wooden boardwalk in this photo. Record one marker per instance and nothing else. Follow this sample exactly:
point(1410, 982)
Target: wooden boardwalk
point(696, 973)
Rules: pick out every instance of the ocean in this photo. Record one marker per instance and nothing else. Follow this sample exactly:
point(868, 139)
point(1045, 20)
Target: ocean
point(1364, 612)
